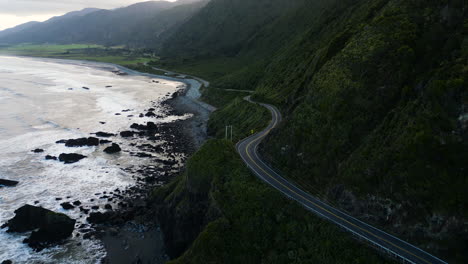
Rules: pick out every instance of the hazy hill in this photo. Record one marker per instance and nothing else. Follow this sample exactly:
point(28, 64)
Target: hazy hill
point(135, 25)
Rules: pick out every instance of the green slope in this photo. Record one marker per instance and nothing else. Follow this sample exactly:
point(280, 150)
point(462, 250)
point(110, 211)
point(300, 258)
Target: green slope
point(374, 99)
point(242, 220)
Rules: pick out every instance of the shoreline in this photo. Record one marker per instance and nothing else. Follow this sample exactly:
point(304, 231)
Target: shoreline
point(131, 233)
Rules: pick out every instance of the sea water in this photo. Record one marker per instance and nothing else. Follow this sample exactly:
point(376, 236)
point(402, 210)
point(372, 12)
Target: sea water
point(43, 101)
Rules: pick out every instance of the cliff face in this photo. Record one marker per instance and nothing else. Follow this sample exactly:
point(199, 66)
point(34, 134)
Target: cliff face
point(375, 118)
point(374, 100)
point(217, 212)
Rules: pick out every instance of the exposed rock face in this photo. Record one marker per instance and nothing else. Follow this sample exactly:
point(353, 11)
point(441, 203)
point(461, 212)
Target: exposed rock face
point(38, 150)
point(70, 158)
point(104, 134)
point(99, 218)
point(48, 157)
point(67, 206)
point(82, 142)
point(52, 227)
point(127, 134)
point(113, 149)
point(8, 183)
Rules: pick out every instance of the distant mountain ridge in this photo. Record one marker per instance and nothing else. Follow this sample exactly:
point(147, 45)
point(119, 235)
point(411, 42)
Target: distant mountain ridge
point(135, 25)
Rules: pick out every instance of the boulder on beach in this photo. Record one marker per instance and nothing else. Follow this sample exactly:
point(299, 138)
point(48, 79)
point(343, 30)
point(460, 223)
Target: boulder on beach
point(150, 114)
point(127, 134)
point(8, 183)
point(104, 141)
point(104, 134)
point(151, 126)
point(52, 227)
point(37, 150)
point(99, 218)
point(81, 142)
point(113, 149)
point(67, 206)
point(70, 158)
point(48, 157)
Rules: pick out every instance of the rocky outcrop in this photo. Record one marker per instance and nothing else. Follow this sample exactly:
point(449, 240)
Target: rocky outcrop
point(49, 157)
point(104, 134)
point(115, 148)
point(37, 150)
point(127, 134)
point(8, 183)
point(70, 158)
point(82, 142)
point(52, 228)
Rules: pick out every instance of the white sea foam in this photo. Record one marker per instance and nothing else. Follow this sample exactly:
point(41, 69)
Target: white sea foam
point(37, 108)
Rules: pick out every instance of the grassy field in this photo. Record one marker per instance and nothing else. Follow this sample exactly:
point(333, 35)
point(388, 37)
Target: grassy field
point(117, 55)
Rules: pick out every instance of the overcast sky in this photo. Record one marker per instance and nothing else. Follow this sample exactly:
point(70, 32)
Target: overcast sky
point(15, 12)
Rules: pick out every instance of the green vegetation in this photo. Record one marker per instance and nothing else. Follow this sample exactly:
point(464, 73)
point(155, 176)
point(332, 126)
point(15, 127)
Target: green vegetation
point(117, 55)
point(242, 115)
point(243, 220)
point(373, 95)
point(374, 99)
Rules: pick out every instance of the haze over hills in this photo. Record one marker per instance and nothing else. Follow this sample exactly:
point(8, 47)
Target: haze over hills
point(374, 103)
point(141, 24)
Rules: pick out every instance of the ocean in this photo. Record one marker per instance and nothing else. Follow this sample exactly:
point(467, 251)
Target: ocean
point(43, 101)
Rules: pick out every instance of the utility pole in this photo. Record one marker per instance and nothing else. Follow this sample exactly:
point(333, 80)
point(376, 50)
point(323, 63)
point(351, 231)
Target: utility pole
point(228, 130)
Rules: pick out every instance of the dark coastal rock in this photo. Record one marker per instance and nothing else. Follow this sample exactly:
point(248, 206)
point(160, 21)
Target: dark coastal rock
point(8, 183)
point(84, 87)
point(127, 134)
point(82, 142)
point(143, 155)
point(48, 157)
point(99, 218)
point(103, 141)
point(151, 126)
point(150, 114)
point(104, 134)
point(113, 149)
point(109, 86)
point(67, 206)
point(141, 115)
point(70, 158)
point(135, 126)
point(52, 227)
point(38, 150)
point(7, 262)
point(108, 207)
point(77, 203)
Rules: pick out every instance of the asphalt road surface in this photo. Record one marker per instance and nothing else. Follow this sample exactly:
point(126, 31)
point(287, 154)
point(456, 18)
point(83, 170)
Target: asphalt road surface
point(247, 149)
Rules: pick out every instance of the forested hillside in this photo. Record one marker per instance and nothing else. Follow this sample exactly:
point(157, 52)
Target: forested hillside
point(374, 103)
point(374, 100)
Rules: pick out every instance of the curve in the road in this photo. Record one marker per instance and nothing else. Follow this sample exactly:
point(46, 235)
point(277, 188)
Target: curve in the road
point(247, 149)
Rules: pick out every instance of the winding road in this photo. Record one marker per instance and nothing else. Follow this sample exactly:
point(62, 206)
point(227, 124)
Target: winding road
point(248, 150)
